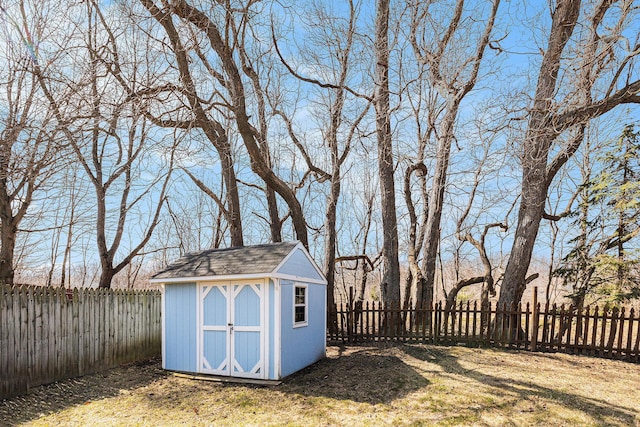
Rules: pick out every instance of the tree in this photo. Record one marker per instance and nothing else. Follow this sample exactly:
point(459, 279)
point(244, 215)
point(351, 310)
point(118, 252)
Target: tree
point(30, 142)
point(184, 107)
point(599, 264)
point(228, 74)
point(390, 286)
point(339, 105)
point(476, 220)
point(111, 139)
point(622, 197)
point(435, 47)
point(598, 56)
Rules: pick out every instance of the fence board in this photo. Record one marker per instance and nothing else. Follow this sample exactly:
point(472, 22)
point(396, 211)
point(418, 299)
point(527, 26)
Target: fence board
point(47, 334)
point(636, 348)
point(4, 339)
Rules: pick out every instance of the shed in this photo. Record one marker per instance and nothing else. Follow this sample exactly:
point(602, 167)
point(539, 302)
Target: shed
point(251, 312)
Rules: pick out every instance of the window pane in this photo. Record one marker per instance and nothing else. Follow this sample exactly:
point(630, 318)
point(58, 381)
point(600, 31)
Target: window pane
point(300, 312)
point(300, 296)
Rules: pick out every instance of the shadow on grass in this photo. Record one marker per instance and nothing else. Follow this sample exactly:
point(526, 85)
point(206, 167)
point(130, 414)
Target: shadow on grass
point(50, 398)
point(597, 409)
point(366, 375)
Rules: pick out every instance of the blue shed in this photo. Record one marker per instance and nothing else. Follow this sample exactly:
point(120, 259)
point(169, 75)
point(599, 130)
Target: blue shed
point(252, 312)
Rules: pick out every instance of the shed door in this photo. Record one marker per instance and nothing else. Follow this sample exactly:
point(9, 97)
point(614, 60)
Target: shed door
point(232, 333)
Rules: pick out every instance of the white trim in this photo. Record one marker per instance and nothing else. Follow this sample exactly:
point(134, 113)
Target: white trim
point(163, 333)
point(295, 278)
point(286, 258)
point(265, 328)
point(231, 330)
point(204, 366)
point(199, 334)
point(277, 323)
point(325, 322)
point(239, 277)
point(306, 305)
point(230, 363)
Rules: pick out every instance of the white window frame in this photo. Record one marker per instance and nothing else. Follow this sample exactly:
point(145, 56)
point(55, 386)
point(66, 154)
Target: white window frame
point(305, 305)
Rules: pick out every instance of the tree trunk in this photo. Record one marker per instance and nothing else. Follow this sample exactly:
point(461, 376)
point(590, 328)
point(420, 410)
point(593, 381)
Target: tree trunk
point(330, 241)
point(425, 292)
point(233, 198)
point(8, 227)
point(106, 277)
point(415, 278)
point(536, 146)
point(275, 226)
point(534, 194)
point(235, 86)
point(390, 286)
point(7, 247)
point(452, 90)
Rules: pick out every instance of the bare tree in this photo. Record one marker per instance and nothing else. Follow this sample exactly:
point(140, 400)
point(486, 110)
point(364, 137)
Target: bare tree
point(337, 37)
point(452, 85)
point(110, 137)
point(467, 222)
point(222, 44)
point(390, 286)
point(29, 139)
point(603, 66)
point(185, 107)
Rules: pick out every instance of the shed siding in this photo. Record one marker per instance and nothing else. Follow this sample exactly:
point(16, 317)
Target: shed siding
point(299, 265)
point(305, 345)
point(180, 327)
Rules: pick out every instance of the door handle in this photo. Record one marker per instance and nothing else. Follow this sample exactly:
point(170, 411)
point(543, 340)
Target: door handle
point(230, 325)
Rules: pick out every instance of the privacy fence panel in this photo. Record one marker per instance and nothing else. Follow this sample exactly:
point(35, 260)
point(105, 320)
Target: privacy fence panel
point(48, 334)
point(610, 332)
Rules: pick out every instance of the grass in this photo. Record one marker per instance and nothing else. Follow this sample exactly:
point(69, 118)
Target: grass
point(403, 385)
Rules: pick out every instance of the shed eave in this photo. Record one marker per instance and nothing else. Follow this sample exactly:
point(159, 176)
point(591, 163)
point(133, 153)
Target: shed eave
point(295, 278)
point(236, 277)
point(209, 278)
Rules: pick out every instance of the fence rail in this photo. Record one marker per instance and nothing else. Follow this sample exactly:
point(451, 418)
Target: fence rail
point(603, 332)
point(48, 334)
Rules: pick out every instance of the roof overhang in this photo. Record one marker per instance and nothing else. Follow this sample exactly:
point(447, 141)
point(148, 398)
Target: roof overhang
point(226, 278)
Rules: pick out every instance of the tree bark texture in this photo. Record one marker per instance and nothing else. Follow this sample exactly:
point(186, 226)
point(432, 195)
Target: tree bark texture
point(390, 286)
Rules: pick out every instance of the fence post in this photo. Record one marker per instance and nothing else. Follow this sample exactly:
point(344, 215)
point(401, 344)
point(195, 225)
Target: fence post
point(350, 316)
point(536, 320)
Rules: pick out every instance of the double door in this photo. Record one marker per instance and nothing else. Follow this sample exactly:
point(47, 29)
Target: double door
point(231, 332)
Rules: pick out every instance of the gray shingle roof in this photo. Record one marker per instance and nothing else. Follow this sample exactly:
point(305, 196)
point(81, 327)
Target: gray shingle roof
point(231, 261)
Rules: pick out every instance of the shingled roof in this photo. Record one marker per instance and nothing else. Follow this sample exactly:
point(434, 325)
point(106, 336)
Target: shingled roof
point(231, 261)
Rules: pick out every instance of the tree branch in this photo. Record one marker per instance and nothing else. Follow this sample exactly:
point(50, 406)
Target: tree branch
point(310, 80)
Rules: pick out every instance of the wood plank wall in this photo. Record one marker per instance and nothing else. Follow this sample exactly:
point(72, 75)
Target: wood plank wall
point(49, 334)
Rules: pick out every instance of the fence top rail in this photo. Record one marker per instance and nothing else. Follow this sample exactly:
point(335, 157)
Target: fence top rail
point(541, 308)
point(21, 288)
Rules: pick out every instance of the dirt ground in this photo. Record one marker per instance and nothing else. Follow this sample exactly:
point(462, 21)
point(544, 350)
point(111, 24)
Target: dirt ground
point(382, 385)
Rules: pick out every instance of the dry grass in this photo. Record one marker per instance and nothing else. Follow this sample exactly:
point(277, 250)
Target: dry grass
point(404, 385)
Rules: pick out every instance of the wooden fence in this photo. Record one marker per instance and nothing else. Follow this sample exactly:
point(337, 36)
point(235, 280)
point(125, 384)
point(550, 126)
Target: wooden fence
point(48, 334)
point(603, 332)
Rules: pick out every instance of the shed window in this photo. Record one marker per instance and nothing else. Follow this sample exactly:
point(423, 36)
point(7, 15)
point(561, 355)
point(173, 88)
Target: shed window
point(300, 305)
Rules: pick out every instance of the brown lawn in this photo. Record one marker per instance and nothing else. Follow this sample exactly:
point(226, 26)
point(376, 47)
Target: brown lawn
point(385, 385)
